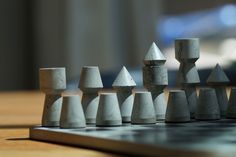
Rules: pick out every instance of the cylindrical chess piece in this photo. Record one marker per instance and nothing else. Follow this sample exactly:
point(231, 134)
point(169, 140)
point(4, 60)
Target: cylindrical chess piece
point(123, 85)
point(187, 53)
point(72, 114)
point(52, 83)
point(155, 76)
point(90, 83)
point(187, 49)
point(207, 107)
point(108, 110)
point(177, 107)
point(231, 110)
point(143, 109)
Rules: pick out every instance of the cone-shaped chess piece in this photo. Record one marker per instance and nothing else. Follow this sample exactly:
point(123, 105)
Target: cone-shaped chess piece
point(154, 56)
point(177, 108)
point(143, 110)
point(72, 114)
point(52, 83)
point(208, 107)
point(231, 110)
point(187, 53)
point(108, 110)
point(155, 79)
point(90, 83)
point(123, 85)
point(218, 80)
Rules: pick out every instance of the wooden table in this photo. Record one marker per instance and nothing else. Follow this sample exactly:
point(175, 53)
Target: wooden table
point(19, 111)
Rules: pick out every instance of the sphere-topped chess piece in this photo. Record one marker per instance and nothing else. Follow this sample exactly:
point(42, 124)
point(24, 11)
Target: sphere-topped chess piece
point(218, 80)
point(231, 110)
point(155, 79)
point(207, 107)
point(108, 110)
point(72, 114)
point(90, 83)
point(177, 108)
point(52, 82)
point(187, 53)
point(123, 85)
point(143, 110)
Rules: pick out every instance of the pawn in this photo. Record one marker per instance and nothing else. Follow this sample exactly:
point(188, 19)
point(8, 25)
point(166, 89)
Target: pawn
point(231, 110)
point(52, 82)
point(123, 85)
point(143, 109)
point(177, 107)
point(90, 83)
point(207, 107)
point(72, 114)
point(218, 80)
point(108, 113)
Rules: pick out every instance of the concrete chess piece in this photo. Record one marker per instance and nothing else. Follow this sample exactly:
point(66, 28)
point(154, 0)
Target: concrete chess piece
point(154, 56)
point(108, 110)
point(187, 53)
point(52, 82)
point(123, 85)
point(218, 80)
point(155, 79)
point(90, 83)
point(208, 107)
point(177, 108)
point(231, 110)
point(72, 114)
point(143, 109)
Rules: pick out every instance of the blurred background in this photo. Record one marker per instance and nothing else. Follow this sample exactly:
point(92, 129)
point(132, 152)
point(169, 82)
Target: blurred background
point(109, 34)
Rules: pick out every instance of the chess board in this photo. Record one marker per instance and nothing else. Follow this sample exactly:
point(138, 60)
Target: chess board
point(193, 139)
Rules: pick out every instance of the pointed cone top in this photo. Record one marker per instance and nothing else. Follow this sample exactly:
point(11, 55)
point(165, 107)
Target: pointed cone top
point(217, 76)
point(124, 79)
point(154, 56)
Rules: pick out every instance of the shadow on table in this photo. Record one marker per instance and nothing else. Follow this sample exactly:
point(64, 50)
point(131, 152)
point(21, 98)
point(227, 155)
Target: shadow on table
point(20, 126)
point(17, 139)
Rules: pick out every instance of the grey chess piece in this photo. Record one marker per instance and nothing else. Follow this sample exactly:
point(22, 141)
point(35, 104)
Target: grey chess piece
point(218, 80)
point(208, 107)
point(187, 53)
point(143, 109)
point(52, 82)
point(231, 110)
point(90, 83)
point(155, 79)
point(72, 114)
point(108, 113)
point(177, 107)
point(123, 85)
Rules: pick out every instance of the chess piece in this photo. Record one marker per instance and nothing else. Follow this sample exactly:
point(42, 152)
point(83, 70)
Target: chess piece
point(72, 114)
point(187, 53)
point(218, 80)
point(52, 82)
point(231, 110)
point(177, 107)
point(143, 109)
point(90, 83)
point(108, 110)
point(207, 107)
point(155, 79)
point(123, 85)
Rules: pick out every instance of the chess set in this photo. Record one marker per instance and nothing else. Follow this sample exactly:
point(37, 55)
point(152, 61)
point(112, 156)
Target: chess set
point(133, 122)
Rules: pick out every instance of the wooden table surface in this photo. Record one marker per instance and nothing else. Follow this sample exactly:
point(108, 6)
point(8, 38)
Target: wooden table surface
point(19, 111)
